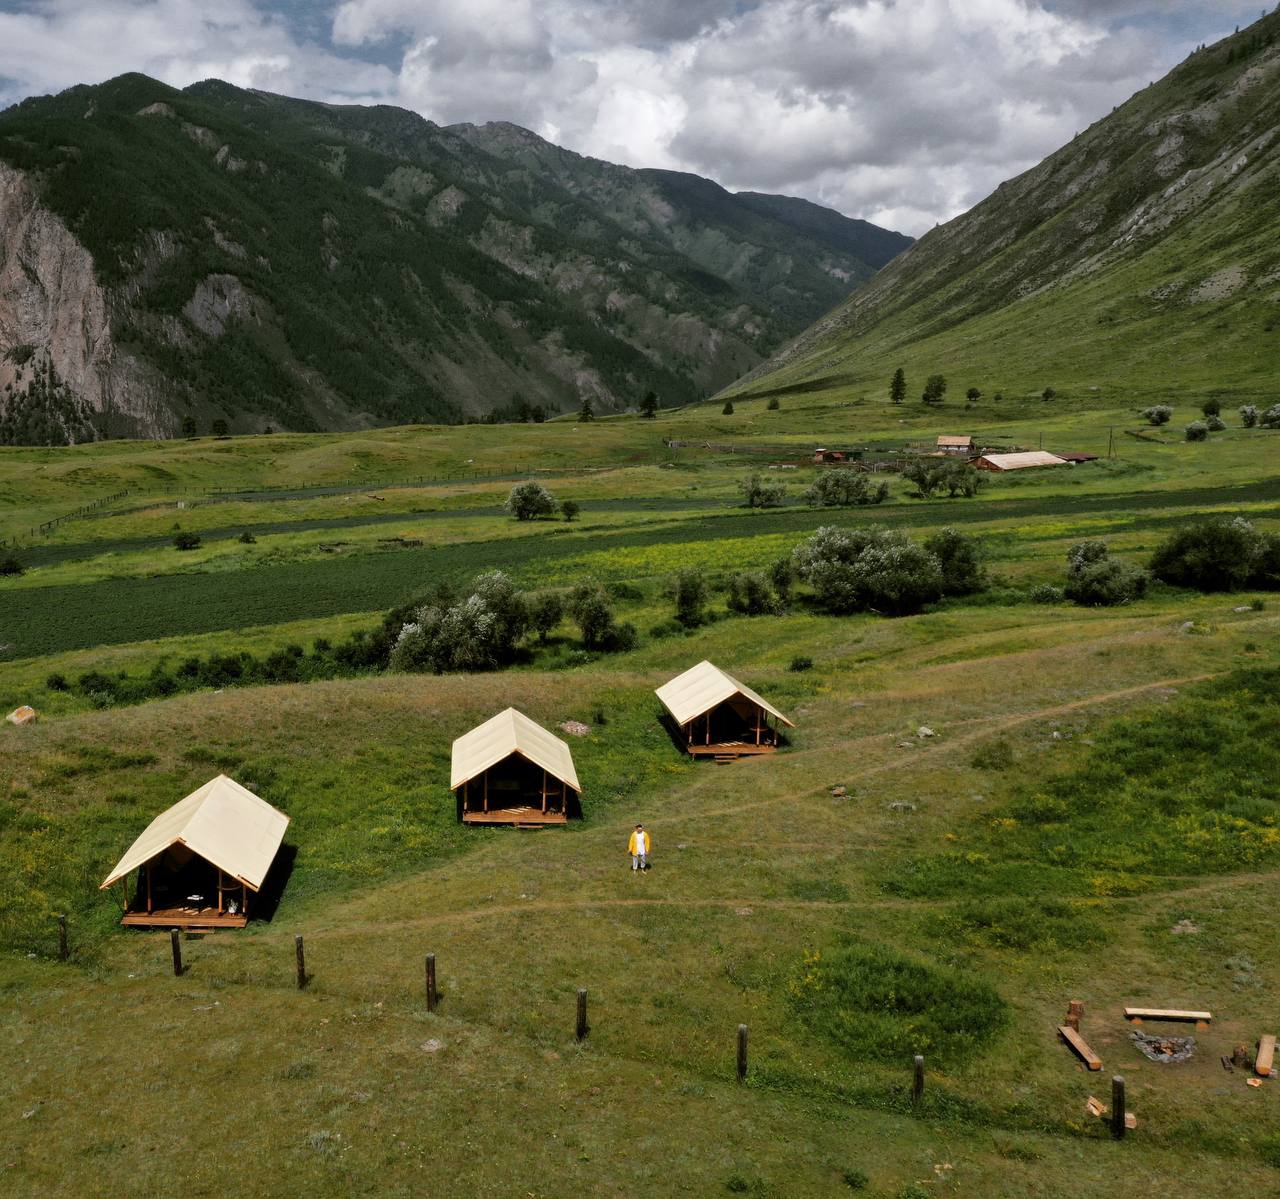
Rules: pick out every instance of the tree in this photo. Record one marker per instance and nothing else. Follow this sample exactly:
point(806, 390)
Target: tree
point(649, 405)
point(591, 611)
point(773, 405)
point(845, 489)
point(959, 561)
point(1211, 407)
point(1095, 579)
point(586, 413)
point(1157, 414)
point(1214, 423)
point(876, 570)
point(1197, 430)
point(690, 595)
point(751, 595)
point(1249, 416)
point(10, 565)
point(935, 390)
point(187, 541)
point(1048, 394)
point(530, 499)
point(219, 428)
point(758, 492)
point(937, 474)
point(727, 410)
point(1224, 554)
point(898, 386)
point(188, 426)
point(1271, 418)
point(482, 631)
point(545, 612)
point(973, 395)
point(569, 509)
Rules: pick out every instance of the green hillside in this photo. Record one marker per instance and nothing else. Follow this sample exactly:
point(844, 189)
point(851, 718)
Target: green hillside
point(275, 263)
point(1141, 259)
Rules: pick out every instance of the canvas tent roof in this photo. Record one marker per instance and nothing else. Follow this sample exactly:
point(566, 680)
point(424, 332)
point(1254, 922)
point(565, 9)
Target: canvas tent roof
point(222, 822)
point(507, 733)
point(1023, 460)
point(702, 688)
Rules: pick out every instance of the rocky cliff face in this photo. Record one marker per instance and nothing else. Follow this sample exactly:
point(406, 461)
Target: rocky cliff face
point(56, 343)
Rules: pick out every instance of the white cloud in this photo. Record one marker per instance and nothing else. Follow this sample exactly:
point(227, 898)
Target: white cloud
point(902, 111)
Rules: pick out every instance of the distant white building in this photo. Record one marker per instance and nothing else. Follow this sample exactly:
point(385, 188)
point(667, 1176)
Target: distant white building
point(1021, 461)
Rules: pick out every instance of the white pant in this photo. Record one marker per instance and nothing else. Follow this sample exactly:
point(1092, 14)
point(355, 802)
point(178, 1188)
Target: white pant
point(637, 861)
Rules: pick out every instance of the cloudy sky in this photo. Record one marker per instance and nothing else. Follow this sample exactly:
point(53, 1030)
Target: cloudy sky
point(904, 112)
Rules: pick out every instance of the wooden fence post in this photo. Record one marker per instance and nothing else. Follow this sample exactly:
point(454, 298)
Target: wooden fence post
point(582, 1027)
point(1117, 1107)
point(176, 946)
point(742, 1053)
point(62, 939)
point(432, 998)
point(302, 961)
point(917, 1081)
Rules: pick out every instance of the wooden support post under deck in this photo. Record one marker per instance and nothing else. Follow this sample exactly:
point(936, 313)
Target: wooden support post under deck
point(486, 790)
point(219, 890)
point(757, 726)
point(244, 901)
point(147, 868)
point(544, 792)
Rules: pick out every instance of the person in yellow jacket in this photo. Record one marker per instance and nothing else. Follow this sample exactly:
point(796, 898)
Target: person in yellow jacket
point(638, 848)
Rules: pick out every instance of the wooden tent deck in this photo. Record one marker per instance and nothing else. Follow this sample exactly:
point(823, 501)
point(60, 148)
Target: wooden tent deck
point(518, 816)
point(729, 749)
point(184, 918)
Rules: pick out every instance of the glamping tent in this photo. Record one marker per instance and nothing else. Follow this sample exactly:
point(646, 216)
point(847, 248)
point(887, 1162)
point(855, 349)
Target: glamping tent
point(198, 862)
point(717, 716)
point(510, 770)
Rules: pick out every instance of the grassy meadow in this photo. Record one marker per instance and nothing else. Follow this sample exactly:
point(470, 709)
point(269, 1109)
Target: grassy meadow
point(1094, 817)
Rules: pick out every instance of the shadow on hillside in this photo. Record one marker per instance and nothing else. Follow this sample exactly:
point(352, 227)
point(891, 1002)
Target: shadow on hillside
point(805, 388)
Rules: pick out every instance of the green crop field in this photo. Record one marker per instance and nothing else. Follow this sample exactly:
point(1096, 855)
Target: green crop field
point(1042, 802)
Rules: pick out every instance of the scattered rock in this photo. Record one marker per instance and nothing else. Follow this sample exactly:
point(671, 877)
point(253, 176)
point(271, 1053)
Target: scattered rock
point(682, 845)
point(925, 731)
point(901, 805)
point(432, 1046)
point(839, 791)
point(1185, 927)
point(22, 715)
point(1242, 608)
point(905, 744)
point(575, 728)
point(743, 911)
point(1187, 626)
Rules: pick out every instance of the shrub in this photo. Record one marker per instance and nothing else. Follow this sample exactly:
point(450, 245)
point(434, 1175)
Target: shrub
point(727, 410)
point(880, 1005)
point(994, 755)
point(589, 606)
point(957, 556)
point(782, 575)
point(530, 499)
point(9, 565)
point(1211, 407)
point(1271, 418)
point(1158, 414)
point(480, 632)
point(855, 1179)
point(690, 595)
point(569, 509)
point(57, 682)
point(877, 570)
point(247, 538)
point(845, 489)
point(758, 492)
point(1219, 555)
point(1197, 430)
point(545, 612)
point(773, 405)
point(665, 628)
point(1095, 579)
point(1048, 394)
point(1014, 922)
point(1047, 593)
point(751, 595)
point(1248, 416)
point(973, 395)
point(1215, 423)
point(187, 541)
point(801, 663)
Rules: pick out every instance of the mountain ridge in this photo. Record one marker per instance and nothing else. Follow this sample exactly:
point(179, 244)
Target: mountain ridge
point(265, 261)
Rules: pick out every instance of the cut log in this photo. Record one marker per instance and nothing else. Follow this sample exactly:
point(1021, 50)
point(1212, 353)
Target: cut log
point(1138, 1014)
point(1081, 1046)
point(1266, 1055)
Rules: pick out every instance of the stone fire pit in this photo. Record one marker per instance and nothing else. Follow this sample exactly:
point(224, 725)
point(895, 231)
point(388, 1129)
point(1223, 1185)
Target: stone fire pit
point(1164, 1049)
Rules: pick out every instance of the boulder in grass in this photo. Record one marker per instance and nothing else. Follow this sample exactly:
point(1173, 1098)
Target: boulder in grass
point(22, 715)
point(575, 728)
